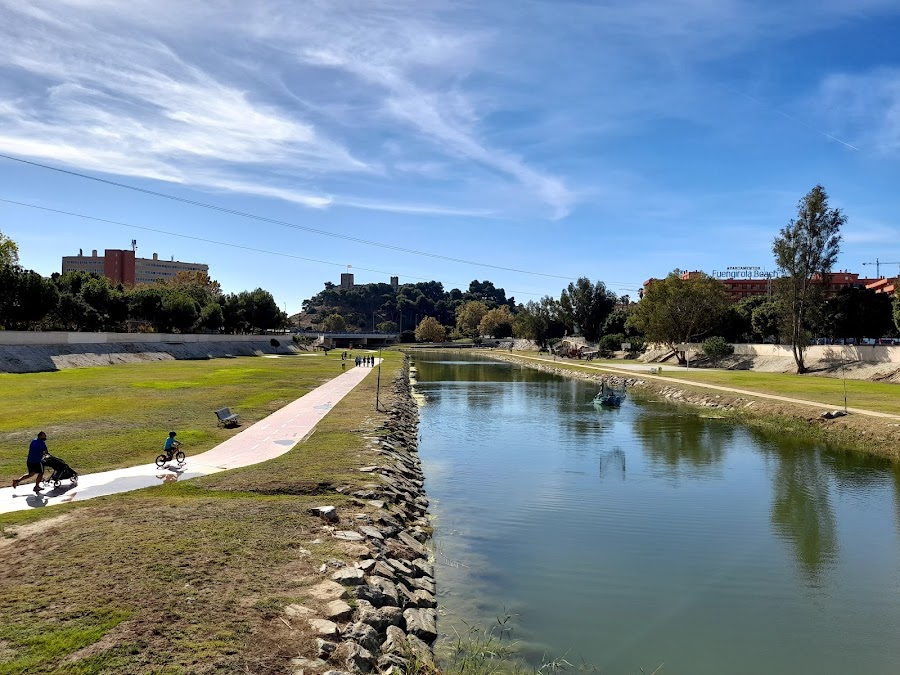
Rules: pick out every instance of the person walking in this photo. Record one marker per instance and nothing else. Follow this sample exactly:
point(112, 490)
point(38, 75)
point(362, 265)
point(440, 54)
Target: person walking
point(36, 452)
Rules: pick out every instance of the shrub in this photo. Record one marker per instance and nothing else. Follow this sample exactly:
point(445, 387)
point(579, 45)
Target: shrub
point(612, 343)
point(716, 347)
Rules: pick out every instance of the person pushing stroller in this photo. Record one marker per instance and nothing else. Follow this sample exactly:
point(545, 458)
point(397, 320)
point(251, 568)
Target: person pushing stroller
point(36, 452)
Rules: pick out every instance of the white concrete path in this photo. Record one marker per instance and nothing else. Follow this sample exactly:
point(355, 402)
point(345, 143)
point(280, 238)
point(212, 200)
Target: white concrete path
point(268, 438)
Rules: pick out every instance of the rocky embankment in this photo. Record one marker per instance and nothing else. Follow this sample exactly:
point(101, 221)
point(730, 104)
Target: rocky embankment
point(378, 612)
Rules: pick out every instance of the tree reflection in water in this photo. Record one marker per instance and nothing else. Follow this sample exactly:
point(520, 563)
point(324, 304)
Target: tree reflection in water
point(675, 441)
point(802, 514)
point(801, 511)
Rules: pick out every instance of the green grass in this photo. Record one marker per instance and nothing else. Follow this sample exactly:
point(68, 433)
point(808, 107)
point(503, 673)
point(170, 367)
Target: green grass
point(34, 647)
point(115, 416)
point(187, 577)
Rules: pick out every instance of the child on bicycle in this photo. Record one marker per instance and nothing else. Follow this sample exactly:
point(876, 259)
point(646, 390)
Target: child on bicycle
point(171, 445)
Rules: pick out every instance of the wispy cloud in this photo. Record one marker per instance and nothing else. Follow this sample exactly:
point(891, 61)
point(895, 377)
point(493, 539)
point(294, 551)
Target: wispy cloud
point(443, 108)
point(866, 105)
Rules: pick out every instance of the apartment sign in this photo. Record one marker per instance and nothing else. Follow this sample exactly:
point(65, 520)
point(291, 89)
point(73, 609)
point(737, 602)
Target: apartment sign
point(743, 272)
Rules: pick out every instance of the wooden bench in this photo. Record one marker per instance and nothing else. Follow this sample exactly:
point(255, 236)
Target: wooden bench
point(227, 418)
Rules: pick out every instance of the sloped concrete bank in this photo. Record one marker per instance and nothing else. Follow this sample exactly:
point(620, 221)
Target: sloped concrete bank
point(393, 622)
point(854, 432)
point(41, 358)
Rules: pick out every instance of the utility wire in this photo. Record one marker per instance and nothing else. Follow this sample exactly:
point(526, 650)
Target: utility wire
point(275, 221)
point(222, 243)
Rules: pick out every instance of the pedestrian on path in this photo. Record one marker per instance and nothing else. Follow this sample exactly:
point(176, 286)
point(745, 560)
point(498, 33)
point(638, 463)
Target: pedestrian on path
point(36, 452)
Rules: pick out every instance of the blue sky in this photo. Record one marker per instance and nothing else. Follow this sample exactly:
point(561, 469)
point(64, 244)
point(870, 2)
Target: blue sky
point(614, 140)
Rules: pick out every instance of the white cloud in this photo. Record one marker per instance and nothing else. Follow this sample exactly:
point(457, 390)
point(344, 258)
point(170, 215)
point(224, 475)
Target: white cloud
point(867, 106)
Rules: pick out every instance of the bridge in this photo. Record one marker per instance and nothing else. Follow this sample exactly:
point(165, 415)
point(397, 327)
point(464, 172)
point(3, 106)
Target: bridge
point(372, 340)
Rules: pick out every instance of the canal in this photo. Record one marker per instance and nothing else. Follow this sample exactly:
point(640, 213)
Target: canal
point(646, 535)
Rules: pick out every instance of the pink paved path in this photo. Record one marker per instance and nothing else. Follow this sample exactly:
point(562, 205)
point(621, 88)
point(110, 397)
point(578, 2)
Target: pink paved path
point(268, 438)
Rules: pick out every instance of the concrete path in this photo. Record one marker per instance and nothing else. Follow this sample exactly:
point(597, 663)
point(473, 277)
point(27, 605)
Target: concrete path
point(268, 438)
point(644, 371)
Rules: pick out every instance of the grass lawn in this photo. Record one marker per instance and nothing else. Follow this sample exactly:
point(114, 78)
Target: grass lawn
point(110, 417)
point(188, 577)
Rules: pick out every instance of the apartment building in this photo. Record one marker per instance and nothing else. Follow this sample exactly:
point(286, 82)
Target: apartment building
point(123, 267)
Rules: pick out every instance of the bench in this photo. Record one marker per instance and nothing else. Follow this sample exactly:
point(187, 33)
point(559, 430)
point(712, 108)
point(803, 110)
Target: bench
point(227, 418)
point(655, 371)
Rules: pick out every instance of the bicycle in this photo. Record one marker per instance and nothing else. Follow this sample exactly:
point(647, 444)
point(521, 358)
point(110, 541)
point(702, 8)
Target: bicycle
point(166, 457)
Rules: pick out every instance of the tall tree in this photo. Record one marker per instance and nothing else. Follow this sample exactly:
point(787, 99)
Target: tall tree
point(585, 307)
point(805, 251)
point(675, 310)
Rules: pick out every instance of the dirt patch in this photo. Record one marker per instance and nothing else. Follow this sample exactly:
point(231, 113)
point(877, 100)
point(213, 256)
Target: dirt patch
point(18, 533)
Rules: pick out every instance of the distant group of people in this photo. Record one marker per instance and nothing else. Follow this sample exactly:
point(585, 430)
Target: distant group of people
point(367, 361)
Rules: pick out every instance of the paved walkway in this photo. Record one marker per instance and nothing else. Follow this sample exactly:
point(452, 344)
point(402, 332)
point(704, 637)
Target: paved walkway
point(268, 438)
point(633, 369)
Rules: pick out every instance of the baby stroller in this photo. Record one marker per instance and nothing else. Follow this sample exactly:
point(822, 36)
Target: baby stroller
point(61, 471)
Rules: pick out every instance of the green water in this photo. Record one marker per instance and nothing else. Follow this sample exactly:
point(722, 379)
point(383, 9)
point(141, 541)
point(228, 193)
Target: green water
point(641, 536)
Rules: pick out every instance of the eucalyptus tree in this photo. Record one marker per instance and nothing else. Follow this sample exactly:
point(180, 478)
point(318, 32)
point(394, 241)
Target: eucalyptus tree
point(805, 251)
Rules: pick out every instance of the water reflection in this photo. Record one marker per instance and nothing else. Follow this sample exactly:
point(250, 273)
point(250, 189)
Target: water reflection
point(802, 514)
point(612, 464)
point(702, 543)
point(672, 441)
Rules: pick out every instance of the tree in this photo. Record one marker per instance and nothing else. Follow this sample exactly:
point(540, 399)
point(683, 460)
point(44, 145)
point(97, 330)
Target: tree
point(585, 306)
point(27, 297)
point(767, 319)
point(429, 330)
point(716, 347)
point(539, 321)
point(179, 311)
point(805, 251)
point(212, 317)
point(897, 307)
point(497, 322)
point(469, 316)
point(334, 323)
point(858, 313)
point(676, 310)
point(9, 252)
point(387, 327)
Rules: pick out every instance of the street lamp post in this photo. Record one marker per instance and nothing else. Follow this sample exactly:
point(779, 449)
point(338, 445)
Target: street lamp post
point(378, 383)
point(844, 378)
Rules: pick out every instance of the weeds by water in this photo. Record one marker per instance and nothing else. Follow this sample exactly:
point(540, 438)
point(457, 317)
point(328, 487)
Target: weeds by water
point(494, 651)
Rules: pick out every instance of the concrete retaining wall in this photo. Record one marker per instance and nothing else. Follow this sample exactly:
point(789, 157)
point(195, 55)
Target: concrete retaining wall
point(25, 338)
point(825, 353)
point(32, 358)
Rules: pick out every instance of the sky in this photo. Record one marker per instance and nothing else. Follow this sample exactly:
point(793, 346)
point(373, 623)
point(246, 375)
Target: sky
point(529, 143)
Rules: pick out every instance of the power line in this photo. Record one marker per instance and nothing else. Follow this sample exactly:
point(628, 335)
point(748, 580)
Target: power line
point(222, 243)
point(275, 221)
